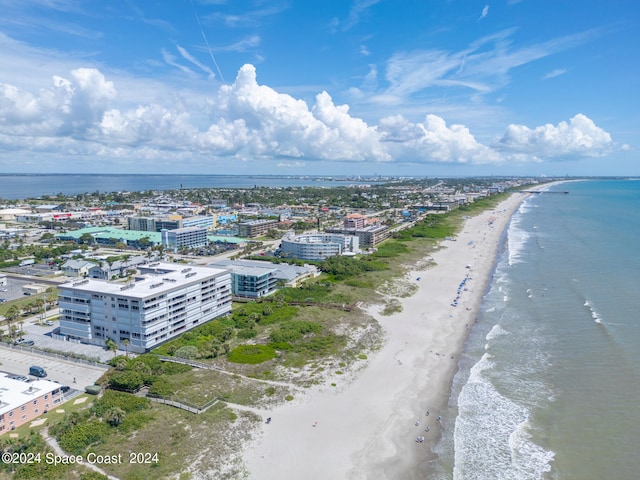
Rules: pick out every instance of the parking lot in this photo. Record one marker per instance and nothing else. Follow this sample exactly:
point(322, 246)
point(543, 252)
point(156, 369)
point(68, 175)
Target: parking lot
point(17, 362)
point(43, 337)
point(13, 289)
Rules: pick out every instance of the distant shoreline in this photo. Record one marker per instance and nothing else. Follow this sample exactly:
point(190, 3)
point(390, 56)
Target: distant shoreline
point(20, 186)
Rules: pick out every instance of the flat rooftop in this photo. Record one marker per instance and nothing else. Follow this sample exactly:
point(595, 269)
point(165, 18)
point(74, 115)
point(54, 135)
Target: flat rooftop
point(14, 393)
point(155, 278)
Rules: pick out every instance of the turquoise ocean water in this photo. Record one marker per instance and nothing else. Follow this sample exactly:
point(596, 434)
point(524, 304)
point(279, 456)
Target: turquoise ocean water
point(549, 386)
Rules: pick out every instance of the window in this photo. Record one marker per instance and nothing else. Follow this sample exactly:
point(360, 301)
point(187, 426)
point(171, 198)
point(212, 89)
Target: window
point(22, 408)
point(35, 402)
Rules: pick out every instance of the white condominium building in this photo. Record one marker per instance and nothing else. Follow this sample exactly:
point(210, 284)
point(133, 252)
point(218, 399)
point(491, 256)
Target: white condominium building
point(187, 237)
point(318, 246)
point(164, 301)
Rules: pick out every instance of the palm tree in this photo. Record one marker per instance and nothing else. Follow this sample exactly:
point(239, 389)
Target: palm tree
point(11, 315)
point(39, 303)
point(51, 296)
point(114, 416)
point(126, 342)
point(111, 345)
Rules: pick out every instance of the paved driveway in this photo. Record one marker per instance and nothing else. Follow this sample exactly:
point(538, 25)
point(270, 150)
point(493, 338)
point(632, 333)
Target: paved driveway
point(43, 338)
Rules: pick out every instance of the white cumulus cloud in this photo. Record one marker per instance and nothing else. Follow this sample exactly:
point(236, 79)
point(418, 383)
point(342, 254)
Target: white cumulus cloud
point(434, 141)
point(579, 137)
point(83, 115)
point(66, 107)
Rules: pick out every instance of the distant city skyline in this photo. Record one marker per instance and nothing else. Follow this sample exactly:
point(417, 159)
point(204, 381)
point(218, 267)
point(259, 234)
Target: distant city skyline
point(319, 87)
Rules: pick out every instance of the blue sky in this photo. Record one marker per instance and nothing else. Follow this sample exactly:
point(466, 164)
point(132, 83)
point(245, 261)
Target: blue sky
point(403, 87)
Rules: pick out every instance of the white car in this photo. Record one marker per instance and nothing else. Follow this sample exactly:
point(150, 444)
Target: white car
point(49, 323)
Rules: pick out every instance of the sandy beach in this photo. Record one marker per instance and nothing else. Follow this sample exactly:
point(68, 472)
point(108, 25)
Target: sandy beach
point(369, 428)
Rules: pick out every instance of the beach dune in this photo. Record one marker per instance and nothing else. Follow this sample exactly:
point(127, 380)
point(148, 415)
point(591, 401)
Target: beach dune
point(369, 429)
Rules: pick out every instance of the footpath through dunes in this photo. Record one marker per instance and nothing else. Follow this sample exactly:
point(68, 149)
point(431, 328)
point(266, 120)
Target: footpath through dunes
point(369, 428)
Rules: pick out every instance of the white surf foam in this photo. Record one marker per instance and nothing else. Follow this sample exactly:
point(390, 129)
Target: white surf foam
point(594, 313)
point(495, 332)
point(492, 440)
point(516, 239)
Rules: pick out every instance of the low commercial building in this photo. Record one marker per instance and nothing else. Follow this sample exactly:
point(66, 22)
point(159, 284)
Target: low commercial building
point(163, 302)
point(318, 246)
point(34, 289)
point(111, 235)
point(22, 402)
point(11, 213)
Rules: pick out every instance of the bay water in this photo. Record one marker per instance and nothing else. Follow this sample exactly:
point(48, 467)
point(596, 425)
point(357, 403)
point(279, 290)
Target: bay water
point(14, 186)
point(549, 386)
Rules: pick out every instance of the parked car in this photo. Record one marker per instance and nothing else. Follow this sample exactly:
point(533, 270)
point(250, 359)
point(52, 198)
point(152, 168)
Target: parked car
point(37, 371)
point(49, 323)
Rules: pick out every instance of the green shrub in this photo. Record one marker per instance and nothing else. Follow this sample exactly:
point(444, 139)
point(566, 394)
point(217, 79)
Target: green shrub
point(125, 401)
point(246, 333)
point(161, 388)
point(76, 439)
point(92, 476)
point(251, 354)
point(188, 352)
point(284, 346)
point(127, 380)
point(172, 368)
point(293, 330)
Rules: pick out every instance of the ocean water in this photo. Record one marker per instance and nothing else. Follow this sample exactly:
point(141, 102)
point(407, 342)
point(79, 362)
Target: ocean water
point(549, 387)
point(21, 186)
